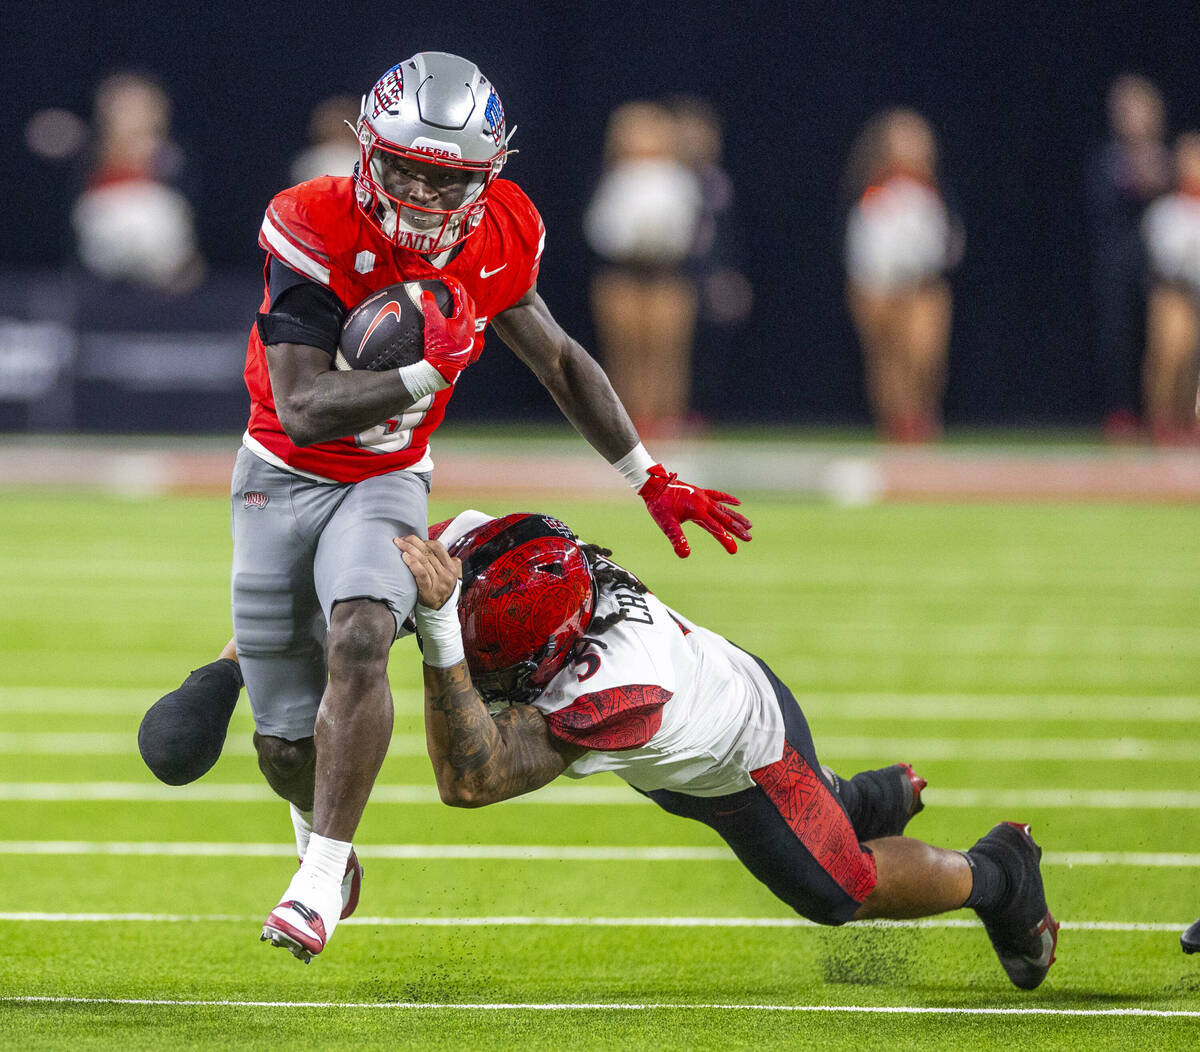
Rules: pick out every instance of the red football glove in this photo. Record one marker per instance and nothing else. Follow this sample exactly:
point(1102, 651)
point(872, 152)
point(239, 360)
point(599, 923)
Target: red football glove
point(449, 342)
point(672, 503)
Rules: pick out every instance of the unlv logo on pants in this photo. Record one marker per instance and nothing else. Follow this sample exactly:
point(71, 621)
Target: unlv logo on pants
point(254, 500)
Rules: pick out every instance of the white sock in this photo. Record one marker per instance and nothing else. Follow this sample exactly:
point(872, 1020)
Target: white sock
point(302, 823)
point(318, 881)
point(325, 860)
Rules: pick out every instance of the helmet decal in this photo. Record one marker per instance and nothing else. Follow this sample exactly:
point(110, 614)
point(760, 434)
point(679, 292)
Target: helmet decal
point(388, 91)
point(493, 117)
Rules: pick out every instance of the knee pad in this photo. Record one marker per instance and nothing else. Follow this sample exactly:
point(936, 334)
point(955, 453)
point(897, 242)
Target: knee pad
point(269, 618)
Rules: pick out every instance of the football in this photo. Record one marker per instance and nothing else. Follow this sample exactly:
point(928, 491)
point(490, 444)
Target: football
point(387, 330)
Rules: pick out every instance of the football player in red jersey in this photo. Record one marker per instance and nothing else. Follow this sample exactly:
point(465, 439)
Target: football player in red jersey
point(544, 657)
point(334, 464)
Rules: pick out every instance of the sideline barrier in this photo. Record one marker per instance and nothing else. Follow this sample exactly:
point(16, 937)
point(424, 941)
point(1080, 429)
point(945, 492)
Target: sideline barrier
point(477, 466)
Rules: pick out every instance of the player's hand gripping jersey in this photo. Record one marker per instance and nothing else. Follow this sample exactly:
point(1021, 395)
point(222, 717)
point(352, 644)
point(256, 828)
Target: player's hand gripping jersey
point(316, 230)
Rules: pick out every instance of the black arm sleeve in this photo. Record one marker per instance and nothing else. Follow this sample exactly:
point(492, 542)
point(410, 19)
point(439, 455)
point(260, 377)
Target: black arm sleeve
point(301, 311)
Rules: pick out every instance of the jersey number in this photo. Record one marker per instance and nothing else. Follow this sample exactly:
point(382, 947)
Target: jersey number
point(592, 661)
point(395, 434)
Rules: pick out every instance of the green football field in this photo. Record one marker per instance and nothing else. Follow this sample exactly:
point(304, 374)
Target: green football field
point(1035, 663)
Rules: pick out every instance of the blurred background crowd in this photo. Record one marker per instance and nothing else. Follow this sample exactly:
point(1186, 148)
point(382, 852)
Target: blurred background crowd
point(920, 218)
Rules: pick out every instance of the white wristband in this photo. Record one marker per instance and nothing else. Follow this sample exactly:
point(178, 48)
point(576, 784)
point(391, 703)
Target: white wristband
point(422, 379)
point(441, 635)
point(635, 466)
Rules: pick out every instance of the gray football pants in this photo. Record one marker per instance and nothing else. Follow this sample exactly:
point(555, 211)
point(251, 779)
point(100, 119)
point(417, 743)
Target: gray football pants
point(300, 547)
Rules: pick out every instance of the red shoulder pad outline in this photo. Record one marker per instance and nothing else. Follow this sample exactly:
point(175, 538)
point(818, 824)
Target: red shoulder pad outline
point(613, 719)
point(288, 233)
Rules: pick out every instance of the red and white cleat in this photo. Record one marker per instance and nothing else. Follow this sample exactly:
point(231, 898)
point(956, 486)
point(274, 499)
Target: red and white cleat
point(294, 926)
point(351, 885)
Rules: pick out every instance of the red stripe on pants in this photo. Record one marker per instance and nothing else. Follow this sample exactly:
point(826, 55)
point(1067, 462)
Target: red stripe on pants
point(818, 820)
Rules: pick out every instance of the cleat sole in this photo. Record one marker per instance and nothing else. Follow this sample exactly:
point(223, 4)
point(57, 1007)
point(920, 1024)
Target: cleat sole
point(283, 941)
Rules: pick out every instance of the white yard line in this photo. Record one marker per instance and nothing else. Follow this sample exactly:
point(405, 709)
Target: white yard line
point(1000, 708)
point(571, 922)
point(1105, 750)
point(597, 795)
point(1022, 749)
point(516, 852)
point(1136, 708)
point(606, 1006)
point(113, 743)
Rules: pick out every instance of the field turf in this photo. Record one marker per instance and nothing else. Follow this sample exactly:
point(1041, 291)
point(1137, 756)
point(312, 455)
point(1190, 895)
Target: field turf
point(1034, 662)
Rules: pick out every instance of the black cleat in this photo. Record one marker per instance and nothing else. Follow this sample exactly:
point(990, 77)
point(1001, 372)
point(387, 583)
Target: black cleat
point(1190, 939)
point(1024, 934)
point(880, 803)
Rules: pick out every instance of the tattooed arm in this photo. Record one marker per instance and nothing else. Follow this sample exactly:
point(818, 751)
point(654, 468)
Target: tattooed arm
point(477, 760)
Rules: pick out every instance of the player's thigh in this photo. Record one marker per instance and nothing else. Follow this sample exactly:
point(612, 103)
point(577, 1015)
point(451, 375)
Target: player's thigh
point(276, 520)
point(793, 835)
point(355, 556)
point(278, 624)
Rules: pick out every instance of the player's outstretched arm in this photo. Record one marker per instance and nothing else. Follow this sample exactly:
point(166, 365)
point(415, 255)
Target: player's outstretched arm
point(586, 397)
point(477, 760)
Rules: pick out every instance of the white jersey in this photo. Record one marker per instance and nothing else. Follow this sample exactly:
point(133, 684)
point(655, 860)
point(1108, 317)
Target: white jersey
point(898, 235)
point(663, 703)
point(1171, 229)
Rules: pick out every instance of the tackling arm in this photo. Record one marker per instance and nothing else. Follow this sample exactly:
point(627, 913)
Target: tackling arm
point(477, 760)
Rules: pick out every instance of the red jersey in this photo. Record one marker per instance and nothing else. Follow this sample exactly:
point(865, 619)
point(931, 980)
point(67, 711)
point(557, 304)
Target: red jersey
point(317, 230)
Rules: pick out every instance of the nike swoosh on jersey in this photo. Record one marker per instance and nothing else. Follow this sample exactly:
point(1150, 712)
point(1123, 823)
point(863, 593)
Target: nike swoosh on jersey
point(485, 273)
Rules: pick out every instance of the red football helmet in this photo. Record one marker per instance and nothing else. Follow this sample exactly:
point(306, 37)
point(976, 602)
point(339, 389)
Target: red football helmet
point(527, 595)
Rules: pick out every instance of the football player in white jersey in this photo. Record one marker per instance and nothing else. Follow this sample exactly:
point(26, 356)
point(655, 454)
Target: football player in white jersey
point(543, 657)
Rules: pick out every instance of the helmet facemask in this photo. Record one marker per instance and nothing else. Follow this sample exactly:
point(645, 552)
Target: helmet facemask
point(405, 222)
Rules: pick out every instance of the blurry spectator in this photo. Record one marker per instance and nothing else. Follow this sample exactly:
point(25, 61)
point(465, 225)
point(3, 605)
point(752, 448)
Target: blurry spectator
point(900, 241)
point(333, 146)
point(715, 259)
point(1172, 235)
point(642, 222)
point(1128, 171)
point(715, 255)
point(131, 221)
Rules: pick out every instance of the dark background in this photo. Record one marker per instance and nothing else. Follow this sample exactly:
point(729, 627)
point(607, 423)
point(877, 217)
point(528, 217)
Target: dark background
point(1015, 92)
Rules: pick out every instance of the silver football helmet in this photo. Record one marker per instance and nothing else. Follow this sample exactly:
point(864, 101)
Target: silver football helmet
point(432, 139)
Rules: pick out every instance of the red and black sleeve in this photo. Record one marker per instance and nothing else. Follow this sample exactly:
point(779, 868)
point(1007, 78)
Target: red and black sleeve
point(613, 719)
